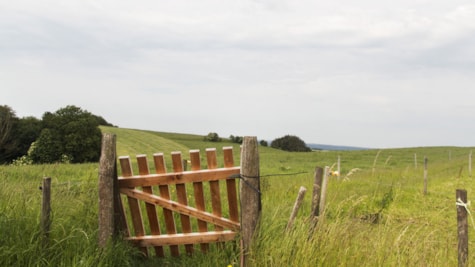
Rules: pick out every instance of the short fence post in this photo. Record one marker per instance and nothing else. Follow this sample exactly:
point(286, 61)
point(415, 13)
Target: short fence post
point(415, 161)
point(317, 191)
point(295, 210)
point(250, 194)
point(470, 164)
point(425, 175)
point(462, 227)
point(339, 167)
point(324, 190)
point(108, 191)
point(46, 210)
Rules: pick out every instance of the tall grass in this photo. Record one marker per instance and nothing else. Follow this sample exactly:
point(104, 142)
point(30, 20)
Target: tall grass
point(412, 229)
point(73, 237)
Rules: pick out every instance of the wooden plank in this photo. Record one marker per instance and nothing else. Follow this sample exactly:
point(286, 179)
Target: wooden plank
point(135, 211)
point(182, 199)
point(178, 177)
point(151, 211)
point(181, 239)
point(182, 209)
point(199, 195)
point(160, 168)
point(214, 186)
point(231, 185)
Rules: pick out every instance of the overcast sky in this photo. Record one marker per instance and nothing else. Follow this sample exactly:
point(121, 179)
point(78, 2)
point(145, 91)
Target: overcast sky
point(364, 73)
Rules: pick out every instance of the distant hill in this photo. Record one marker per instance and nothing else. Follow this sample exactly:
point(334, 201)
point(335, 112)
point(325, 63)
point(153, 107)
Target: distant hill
point(333, 147)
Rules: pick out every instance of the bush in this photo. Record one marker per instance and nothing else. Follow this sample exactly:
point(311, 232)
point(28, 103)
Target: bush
point(236, 139)
point(212, 137)
point(290, 143)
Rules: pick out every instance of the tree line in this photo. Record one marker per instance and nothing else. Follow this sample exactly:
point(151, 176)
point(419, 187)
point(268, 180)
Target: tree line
point(72, 135)
point(69, 134)
point(290, 143)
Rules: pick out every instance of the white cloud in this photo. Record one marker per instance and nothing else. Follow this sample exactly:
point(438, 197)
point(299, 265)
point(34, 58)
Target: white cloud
point(371, 70)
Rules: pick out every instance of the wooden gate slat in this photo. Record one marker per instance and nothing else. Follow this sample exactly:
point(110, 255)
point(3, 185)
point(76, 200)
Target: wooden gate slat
point(151, 210)
point(182, 199)
point(199, 195)
point(136, 214)
point(181, 208)
point(160, 168)
point(214, 186)
point(231, 185)
point(182, 239)
point(178, 177)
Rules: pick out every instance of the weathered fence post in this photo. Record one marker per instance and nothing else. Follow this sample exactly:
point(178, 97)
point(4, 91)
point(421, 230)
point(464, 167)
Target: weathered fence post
point(339, 167)
point(317, 192)
point(425, 175)
point(415, 160)
point(462, 227)
point(324, 190)
point(295, 210)
point(109, 206)
point(470, 164)
point(317, 189)
point(46, 210)
point(250, 194)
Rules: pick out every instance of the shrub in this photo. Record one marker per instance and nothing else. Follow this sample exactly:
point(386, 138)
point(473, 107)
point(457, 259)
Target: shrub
point(290, 143)
point(212, 137)
point(236, 139)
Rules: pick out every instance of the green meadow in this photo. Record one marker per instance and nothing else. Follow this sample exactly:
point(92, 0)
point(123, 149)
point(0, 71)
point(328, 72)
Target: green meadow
point(413, 228)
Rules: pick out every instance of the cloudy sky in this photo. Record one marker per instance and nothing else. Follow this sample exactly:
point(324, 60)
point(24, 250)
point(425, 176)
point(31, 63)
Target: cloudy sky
point(365, 73)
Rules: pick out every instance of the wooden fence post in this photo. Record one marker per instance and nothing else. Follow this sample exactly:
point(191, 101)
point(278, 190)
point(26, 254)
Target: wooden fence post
point(339, 167)
point(295, 210)
point(462, 227)
point(324, 190)
point(425, 175)
point(250, 194)
point(108, 191)
point(470, 164)
point(46, 210)
point(415, 161)
point(317, 188)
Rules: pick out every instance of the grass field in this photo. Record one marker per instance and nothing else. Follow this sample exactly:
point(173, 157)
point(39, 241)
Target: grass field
point(414, 230)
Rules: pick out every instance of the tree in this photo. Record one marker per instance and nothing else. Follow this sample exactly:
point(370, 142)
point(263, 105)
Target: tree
point(16, 135)
point(102, 121)
point(212, 137)
point(25, 132)
point(8, 119)
point(236, 139)
point(47, 148)
point(290, 143)
point(70, 133)
point(263, 143)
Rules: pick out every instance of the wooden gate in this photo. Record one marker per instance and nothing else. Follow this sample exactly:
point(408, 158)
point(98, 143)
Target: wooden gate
point(182, 207)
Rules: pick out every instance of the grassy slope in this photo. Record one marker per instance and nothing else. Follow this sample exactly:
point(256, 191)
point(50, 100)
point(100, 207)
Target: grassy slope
point(416, 229)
